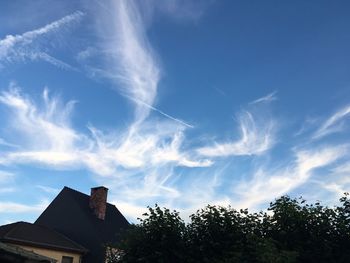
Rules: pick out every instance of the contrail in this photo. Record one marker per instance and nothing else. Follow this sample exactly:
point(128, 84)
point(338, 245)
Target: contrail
point(160, 112)
point(268, 98)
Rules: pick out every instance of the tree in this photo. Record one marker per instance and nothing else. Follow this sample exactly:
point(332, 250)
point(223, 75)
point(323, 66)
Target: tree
point(219, 234)
point(307, 229)
point(158, 238)
point(291, 231)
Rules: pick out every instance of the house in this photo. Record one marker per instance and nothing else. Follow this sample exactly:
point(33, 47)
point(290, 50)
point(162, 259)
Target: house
point(86, 219)
point(10, 253)
point(26, 242)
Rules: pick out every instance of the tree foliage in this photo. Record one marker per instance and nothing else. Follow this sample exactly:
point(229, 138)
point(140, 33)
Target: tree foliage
point(158, 238)
point(290, 231)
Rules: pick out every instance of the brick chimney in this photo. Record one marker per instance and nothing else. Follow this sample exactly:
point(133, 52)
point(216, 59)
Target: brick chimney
point(98, 201)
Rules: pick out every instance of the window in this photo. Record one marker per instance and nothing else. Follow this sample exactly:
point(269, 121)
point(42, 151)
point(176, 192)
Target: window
point(67, 259)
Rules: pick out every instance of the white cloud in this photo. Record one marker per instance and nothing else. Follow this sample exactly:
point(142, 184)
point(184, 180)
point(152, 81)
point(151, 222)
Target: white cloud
point(133, 66)
point(268, 98)
point(181, 11)
point(12, 207)
point(46, 133)
point(130, 211)
point(338, 180)
point(256, 138)
point(86, 54)
point(141, 162)
point(46, 57)
point(48, 189)
point(163, 113)
point(333, 124)
point(129, 60)
point(6, 176)
point(48, 138)
point(7, 182)
point(21, 47)
point(7, 190)
point(269, 184)
point(148, 145)
point(166, 187)
point(130, 56)
point(336, 188)
point(342, 169)
point(7, 144)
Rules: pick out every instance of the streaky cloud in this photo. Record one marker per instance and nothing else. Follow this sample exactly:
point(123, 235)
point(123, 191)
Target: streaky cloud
point(163, 113)
point(6, 176)
point(48, 189)
point(129, 55)
point(13, 207)
point(181, 11)
point(342, 169)
point(134, 69)
point(6, 182)
point(268, 184)
point(46, 127)
point(47, 137)
point(129, 58)
point(7, 144)
point(54, 61)
point(255, 139)
point(266, 99)
point(15, 48)
point(333, 124)
point(338, 182)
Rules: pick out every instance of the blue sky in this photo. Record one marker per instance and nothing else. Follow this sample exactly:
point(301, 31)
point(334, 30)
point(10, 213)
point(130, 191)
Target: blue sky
point(180, 103)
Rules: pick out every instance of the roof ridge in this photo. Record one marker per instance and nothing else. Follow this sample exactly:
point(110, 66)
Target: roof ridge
point(13, 223)
point(16, 240)
point(21, 224)
point(74, 190)
point(62, 235)
point(16, 224)
point(56, 197)
point(15, 249)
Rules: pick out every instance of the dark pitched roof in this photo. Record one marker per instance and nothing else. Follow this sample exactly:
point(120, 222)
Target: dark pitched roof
point(29, 234)
point(9, 253)
point(70, 214)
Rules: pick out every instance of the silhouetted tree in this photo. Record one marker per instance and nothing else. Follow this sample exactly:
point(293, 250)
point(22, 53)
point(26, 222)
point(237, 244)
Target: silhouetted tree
point(291, 231)
point(158, 238)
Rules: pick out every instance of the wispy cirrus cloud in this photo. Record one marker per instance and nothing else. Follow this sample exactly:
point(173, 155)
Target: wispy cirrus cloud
point(143, 147)
point(338, 181)
point(342, 169)
point(7, 144)
point(48, 137)
point(265, 99)
point(141, 163)
point(5, 176)
point(13, 207)
point(19, 48)
point(180, 11)
point(133, 66)
point(255, 138)
point(130, 57)
point(142, 158)
point(267, 185)
point(145, 161)
point(6, 182)
point(48, 189)
point(45, 132)
point(333, 124)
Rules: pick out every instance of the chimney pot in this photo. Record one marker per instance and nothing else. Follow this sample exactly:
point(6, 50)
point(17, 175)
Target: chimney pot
point(98, 201)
